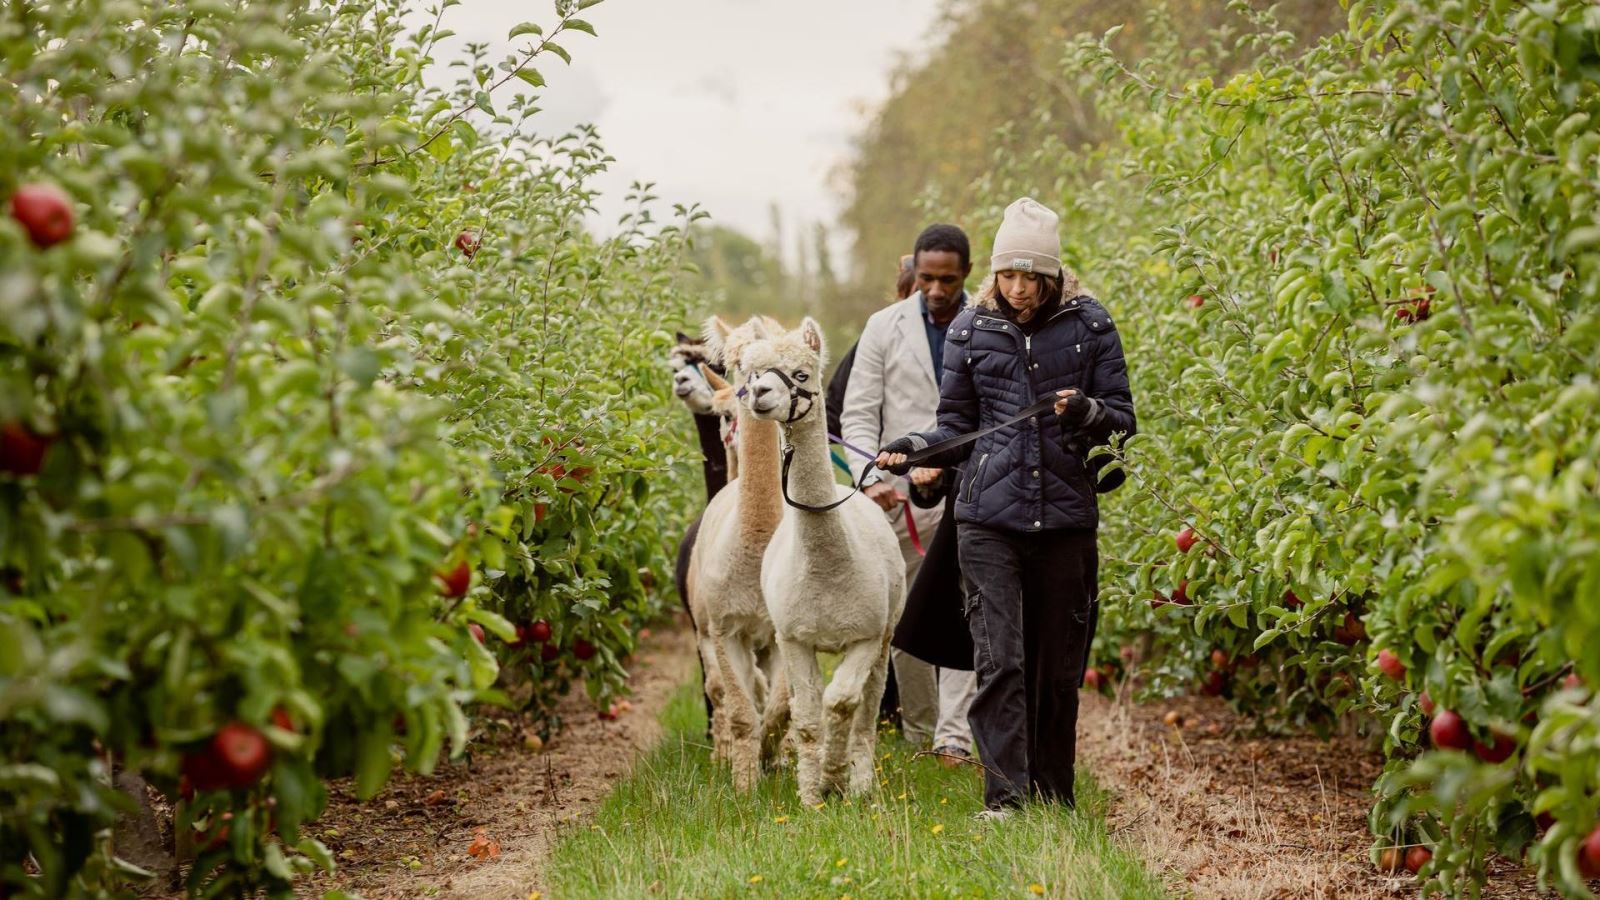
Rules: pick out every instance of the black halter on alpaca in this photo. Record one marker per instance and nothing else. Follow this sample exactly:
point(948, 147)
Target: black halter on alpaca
point(796, 395)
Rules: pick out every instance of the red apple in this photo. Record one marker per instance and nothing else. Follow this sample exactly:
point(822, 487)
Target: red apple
point(1350, 631)
point(1220, 661)
point(1572, 682)
point(45, 212)
point(583, 650)
point(476, 630)
point(1185, 539)
point(1290, 600)
point(549, 653)
point(22, 451)
point(1126, 653)
point(1194, 301)
point(1416, 858)
point(1390, 665)
point(1158, 599)
point(1499, 749)
point(1449, 731)
point(1092, 679)
point(539, 631)
point(280, 718)
point(1589, 854)
point(468, 242)
point(1426, 703)
point(1181, 595)
point(237, 756)
point(455, 582)
point(539, 509)
point(1214, 683)
point(1544, 820)
point(1390, 859)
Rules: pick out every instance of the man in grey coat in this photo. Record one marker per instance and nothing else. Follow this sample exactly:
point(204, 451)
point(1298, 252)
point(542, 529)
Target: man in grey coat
point(894, 390)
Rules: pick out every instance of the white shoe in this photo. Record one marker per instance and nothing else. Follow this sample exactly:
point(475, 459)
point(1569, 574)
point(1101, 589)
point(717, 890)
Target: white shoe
point(995, 815)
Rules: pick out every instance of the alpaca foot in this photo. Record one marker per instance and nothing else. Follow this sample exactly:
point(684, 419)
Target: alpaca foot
point(811, 794)
point(863, 777)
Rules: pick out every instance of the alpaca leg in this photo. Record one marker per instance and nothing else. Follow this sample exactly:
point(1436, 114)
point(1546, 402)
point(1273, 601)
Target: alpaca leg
point(712, 674)
point(864, 732)
point(840, 702)
point(737, 661)
point(775, 716)
point(805, 690)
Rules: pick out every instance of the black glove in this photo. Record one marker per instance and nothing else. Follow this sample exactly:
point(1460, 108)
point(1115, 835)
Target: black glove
point(900, 445)
point(1078, 407)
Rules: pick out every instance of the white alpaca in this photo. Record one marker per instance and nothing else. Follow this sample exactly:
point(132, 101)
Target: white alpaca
point(724, 587)
point(696, 381)
point(834, 581)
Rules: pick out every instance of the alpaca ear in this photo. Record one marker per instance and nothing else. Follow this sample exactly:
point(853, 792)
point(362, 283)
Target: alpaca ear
point(712, 378)
point(759, 327)
point(811, 333)
point(716, 334)
point(685, 339)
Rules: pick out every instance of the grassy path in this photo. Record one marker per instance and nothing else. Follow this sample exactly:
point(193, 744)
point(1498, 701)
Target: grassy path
point(676, 828)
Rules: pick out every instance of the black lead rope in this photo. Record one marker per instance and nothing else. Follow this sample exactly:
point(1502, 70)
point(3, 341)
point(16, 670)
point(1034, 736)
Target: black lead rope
point(1042, 406)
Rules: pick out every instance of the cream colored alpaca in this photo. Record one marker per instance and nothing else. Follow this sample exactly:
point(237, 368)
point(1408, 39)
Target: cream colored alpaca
point(725, 404)
point(834, 581)
point(724, 586)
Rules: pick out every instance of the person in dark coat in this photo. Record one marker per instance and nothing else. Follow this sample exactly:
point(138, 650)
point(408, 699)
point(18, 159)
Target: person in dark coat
point(933, 626)
point(1026, 507)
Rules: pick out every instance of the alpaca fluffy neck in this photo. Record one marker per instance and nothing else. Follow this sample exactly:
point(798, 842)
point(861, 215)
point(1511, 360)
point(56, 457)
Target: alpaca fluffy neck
point(811, 478)
point(760, 496)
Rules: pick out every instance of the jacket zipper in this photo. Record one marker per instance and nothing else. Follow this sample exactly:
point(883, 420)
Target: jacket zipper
point(972, 486)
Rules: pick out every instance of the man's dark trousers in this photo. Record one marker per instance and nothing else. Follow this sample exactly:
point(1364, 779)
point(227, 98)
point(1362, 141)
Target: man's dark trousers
point(1030, 606)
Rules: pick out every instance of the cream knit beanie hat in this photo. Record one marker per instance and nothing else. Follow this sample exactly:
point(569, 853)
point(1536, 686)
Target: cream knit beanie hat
point(1028, 240)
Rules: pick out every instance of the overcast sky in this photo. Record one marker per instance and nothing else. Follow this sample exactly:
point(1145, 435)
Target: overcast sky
point(735, 104)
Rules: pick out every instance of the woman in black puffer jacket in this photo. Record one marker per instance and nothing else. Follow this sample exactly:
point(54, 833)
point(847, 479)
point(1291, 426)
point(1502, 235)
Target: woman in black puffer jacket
point(1026, 509)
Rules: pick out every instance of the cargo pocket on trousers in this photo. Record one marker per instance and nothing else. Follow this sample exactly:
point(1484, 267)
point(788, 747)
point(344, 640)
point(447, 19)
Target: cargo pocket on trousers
point(979, 626)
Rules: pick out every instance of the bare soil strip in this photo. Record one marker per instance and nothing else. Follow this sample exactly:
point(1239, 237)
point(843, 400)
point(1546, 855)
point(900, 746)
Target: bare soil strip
point(416, 838)
point(1229, 814)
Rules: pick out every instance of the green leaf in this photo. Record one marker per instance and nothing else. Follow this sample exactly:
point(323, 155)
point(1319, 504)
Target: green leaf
point(531, 76)
point(373, 762)
point(524, 28)
point(580, 25)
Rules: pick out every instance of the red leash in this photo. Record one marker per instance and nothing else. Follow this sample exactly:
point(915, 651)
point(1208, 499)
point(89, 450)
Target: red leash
point(911, 527)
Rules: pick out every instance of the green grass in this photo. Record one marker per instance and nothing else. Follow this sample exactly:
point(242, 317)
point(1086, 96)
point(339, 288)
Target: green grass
point(676, 828)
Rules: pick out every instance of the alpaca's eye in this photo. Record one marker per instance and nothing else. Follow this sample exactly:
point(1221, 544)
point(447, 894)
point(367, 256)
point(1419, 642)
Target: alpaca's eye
point(801, 376)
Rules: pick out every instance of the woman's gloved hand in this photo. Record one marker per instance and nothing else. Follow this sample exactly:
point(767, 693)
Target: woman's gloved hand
point(1073, 409)
point(893, 455)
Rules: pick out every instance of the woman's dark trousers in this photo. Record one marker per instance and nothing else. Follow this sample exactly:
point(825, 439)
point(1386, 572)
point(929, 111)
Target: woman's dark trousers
point(1030, 606)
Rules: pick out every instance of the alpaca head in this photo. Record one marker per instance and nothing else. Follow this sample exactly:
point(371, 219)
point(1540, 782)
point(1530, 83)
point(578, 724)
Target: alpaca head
point(691, 361)
point(783, 374)
point(724, 399)
point(726, 344)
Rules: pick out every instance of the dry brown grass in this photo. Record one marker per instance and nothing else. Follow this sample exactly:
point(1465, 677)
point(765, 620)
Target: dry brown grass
point(412, 840)
point(1233, 815)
